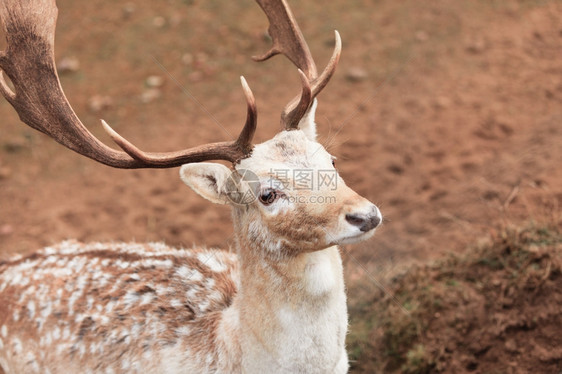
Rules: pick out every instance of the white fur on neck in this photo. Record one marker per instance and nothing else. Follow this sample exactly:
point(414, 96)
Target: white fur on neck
point(304, 331)
point(319, 277)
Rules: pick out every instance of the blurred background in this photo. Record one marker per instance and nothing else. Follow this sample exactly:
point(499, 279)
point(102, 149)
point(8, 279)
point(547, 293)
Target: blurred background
point(446, 114)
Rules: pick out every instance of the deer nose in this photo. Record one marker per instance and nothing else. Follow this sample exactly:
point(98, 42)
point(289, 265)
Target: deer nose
point(365, 222)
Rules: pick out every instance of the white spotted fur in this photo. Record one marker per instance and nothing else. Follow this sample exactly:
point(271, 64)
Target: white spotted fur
point(277, 305)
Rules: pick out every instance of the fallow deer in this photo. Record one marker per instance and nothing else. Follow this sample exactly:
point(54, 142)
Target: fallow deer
point(276, 306)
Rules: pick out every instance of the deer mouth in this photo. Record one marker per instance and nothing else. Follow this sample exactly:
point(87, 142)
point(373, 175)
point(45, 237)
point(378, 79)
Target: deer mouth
point(355, 238)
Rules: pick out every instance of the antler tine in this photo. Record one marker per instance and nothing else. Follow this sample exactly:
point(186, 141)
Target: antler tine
point(232, 151)
point(319, 83)
point(297, 107)
point(244, 141)
point(291, 118)
point(40, 101)
point(4, 89)
point(289, 41)
point(287, 37)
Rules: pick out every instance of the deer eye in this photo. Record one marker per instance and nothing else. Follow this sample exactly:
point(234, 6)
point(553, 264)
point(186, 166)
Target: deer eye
point(333, 163)
point(268, 196)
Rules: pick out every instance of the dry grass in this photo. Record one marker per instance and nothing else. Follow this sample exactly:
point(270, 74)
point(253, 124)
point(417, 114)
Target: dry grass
point(471, 312)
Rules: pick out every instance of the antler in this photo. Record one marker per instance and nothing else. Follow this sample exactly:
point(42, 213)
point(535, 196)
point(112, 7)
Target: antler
point(40, 101)
point(289, 41)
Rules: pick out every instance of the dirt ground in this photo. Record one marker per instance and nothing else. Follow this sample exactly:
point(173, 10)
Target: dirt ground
point(447, 114)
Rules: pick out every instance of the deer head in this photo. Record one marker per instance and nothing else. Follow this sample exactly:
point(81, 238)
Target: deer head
point(287, 195)
point(284, 214)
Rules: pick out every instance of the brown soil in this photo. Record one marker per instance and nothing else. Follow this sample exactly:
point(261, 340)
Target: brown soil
point(447, 114)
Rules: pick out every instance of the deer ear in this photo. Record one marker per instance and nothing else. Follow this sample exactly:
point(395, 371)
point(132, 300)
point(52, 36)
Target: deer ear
point(207, 179)
point(307, 124)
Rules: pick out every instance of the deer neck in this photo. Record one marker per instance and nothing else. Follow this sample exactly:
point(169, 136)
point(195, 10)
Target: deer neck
point(291, 311)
